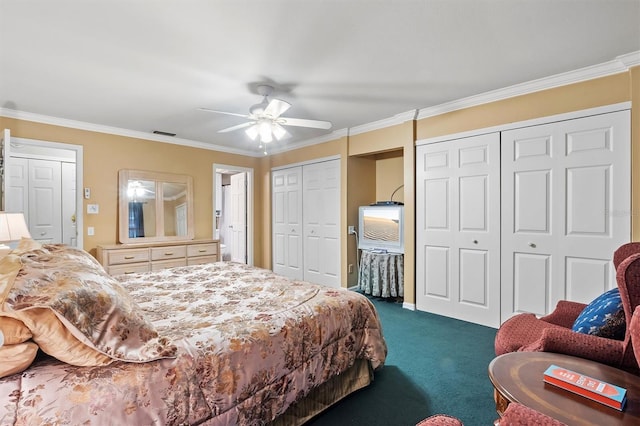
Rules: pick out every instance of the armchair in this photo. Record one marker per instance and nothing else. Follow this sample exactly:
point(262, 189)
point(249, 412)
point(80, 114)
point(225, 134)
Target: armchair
point(553, 333)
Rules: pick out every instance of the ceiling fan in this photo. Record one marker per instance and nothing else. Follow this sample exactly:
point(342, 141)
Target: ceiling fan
point(266, 121)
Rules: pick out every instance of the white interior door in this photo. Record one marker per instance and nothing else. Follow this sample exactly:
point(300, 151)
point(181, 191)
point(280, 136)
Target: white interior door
point(45, 201)
point(239, 218)
point(321, 222)
point(566, 208)
point(286, 187)
point(458, 229)
point(41, 180)
point(181, 219)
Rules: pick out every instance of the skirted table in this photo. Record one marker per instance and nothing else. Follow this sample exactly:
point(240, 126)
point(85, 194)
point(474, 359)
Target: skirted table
point(381, 274)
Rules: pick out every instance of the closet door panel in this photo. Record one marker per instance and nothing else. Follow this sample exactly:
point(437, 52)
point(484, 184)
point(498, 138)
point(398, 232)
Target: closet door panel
point(458, 228)
point(286, 186)
point(566, 198)
point(321, 222)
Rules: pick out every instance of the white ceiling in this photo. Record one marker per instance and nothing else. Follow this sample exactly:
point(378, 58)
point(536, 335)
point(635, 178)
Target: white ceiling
point(149, 65)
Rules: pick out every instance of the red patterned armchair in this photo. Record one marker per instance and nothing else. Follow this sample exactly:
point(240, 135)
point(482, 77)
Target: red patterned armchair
point(553, 333)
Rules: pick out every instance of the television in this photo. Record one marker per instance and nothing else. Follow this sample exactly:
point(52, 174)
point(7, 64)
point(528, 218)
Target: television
point(381, 228)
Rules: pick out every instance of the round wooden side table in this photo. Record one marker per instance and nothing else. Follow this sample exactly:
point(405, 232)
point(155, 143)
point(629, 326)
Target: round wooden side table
point(518, 377)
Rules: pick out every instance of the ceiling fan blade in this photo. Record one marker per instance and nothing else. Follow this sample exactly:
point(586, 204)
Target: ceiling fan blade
point(236, 127)
point(224, 112)
point(276, 107)
point(301, 122)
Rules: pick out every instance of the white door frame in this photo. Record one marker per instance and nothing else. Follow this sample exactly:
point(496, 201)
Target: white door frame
point(78, 149)
point(226, 168)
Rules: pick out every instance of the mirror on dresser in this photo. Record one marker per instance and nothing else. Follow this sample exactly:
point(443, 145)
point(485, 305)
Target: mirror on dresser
point(154, 207)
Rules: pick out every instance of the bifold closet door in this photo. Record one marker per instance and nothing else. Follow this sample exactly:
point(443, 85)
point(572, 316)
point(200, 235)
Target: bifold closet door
point(458, 229)
point(565, 209)
point(286, 187)
point(321, 222)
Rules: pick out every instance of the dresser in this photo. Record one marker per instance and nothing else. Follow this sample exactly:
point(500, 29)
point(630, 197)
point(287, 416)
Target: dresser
point(120, 259)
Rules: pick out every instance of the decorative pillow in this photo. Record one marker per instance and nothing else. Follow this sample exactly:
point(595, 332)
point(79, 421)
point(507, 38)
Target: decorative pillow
point(13, 331)
point(16, 358)
point(75, 310)
point(603, 317)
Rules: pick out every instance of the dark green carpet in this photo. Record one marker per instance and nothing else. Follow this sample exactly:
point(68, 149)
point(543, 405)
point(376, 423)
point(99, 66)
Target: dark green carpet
point(435, 365)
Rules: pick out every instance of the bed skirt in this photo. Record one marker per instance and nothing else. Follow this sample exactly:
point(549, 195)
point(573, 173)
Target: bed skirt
point(324, 396)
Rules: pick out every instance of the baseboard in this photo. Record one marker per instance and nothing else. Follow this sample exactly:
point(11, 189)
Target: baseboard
point(410, 306)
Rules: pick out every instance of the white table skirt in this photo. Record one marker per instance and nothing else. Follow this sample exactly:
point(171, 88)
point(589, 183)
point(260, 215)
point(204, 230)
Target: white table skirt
point(381, 274)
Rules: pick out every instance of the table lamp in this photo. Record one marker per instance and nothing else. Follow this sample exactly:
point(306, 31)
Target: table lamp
point(12, 228)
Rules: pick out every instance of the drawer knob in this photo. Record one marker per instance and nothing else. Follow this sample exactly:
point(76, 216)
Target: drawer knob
point(202, 250)
point(129, 257)
point(168, 253)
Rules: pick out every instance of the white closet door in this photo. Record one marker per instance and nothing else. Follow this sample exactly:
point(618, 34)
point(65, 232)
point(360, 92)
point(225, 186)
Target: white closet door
point(286, 190)
point(45, 201)
point(458, 229)
point(321, 221)
point(566, 208)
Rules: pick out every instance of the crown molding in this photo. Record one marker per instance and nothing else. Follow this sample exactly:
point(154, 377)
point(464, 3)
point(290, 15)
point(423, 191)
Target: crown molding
point(99, 128)
point(622, 63)
point(336, 134)
point(385, 122)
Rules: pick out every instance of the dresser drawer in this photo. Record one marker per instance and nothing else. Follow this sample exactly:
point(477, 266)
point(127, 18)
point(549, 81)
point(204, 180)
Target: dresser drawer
point(163, 264)
point(169, 252)
point(199, 260)
point(131, 268)
point(202, 250)
point(117, 257)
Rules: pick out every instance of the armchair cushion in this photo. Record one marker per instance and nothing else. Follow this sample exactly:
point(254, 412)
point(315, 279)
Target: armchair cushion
point(603, 317)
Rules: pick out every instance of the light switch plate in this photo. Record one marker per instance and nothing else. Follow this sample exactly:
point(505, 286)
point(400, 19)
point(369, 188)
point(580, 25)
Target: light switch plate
point(92, 209)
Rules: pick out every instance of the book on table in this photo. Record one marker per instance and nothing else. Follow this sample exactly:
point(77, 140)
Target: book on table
point(589, 387)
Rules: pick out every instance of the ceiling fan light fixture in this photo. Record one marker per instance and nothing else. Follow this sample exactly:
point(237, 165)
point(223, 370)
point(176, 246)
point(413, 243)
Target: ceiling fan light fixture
point(252, 132)
point(278, 131)
point(265, 132)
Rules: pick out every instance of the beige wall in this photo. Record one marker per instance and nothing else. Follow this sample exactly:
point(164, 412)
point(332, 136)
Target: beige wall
point(105, 154)
point(392, 150)
point(361, 190)
point(389, 176)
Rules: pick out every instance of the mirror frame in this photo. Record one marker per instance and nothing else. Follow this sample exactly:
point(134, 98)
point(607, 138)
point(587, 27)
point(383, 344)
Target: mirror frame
point(159, 178)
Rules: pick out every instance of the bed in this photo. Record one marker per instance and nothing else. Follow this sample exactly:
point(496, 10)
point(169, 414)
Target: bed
point(216, 344)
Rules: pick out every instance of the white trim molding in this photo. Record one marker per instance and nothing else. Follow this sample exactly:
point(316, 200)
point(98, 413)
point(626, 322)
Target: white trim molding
point(387, 122)
point(622, 63)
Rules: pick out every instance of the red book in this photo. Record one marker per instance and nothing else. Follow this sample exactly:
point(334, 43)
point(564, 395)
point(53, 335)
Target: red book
point(597, 390)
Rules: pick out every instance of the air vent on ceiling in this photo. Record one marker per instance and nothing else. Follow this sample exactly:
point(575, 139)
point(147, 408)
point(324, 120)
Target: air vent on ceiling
point(160, 132)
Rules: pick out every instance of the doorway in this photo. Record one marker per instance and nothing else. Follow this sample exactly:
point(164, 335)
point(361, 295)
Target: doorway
point(233, 218)
point(41, 180)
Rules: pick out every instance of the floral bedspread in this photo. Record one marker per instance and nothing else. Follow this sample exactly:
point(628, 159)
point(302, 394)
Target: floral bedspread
point(250, 343)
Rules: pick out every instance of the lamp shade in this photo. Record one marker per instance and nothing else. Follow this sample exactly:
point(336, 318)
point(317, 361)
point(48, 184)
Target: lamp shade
point(13, 227)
